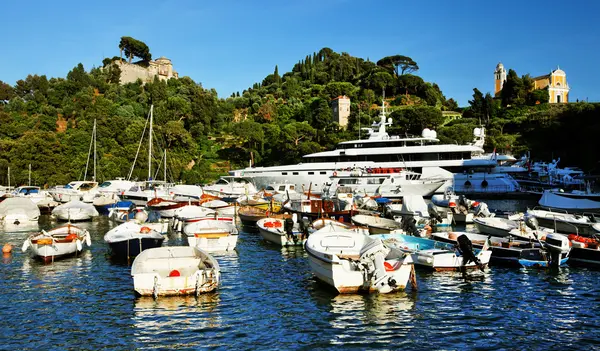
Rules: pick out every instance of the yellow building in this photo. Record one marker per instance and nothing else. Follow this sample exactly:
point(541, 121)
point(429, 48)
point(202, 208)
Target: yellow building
point(555, 81)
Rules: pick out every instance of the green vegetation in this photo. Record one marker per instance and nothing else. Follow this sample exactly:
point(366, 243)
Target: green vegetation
point(47, 122)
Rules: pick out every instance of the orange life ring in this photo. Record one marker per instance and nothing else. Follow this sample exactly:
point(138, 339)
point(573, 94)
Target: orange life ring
point(145, 230)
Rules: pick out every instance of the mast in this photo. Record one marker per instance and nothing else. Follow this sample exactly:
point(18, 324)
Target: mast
point(165, 170)
point(9, 177)
point(29, 181)
point(94, 132)
point(150, 146)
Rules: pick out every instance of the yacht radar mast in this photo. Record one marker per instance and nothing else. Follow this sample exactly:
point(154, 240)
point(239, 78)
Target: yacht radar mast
point(381, 134)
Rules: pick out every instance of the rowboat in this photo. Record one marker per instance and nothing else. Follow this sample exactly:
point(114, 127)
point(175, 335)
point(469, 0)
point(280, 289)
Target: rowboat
point(212, 235)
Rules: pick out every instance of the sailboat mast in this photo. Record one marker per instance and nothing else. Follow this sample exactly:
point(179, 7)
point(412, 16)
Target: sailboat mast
point(150, 145)
point(95, 132)
point(29, 178)
point(9, 177)
point(165, 170)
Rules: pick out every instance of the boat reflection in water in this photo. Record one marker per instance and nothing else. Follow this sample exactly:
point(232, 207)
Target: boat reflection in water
point(373, 320)
point(179, 320)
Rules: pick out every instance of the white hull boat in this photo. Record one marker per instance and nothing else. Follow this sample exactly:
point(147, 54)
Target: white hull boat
point(376, 225)
point(212, 235)
point(566, 223)
point(75, 211)
point(502, 227)
point(274, 231)
point(58, 242)
point(178, 270)
point(352, 262)
point(569, 202)
point(17, 210)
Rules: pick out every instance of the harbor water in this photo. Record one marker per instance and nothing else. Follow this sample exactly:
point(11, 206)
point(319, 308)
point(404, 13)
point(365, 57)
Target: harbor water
point(269, 300)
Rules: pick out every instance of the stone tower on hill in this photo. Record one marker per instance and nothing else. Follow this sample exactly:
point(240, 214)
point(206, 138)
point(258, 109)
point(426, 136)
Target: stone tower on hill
point(161, 68)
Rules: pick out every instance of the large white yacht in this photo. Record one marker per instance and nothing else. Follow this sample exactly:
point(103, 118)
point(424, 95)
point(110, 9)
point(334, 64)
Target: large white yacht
point(381, 151)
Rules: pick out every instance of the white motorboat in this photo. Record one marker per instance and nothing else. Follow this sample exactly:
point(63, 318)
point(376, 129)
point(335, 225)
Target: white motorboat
point(17, 210)
point(58, 242)
point(565, 222)
point(33, 193)
point(439, 256)
point(502, 227)
point(79, 190)
point(283, 232)
point(376, 225)
point(75, 211)
point(352, 262)
point(143, 192)
point(212, 235)
point(229, 188)
point(130, 238)
point(178, 270)
point(571, 202)
point(221, 207)
point(388, 183)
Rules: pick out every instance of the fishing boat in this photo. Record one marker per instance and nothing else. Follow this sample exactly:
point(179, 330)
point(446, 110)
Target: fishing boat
point(17, 210)
point(58, 242)
point(376, 225)
point(437, 255)
point(130, 238)
point(505, 251)
point(178, 270)
point(283, 232)
point(212, 235)
point(567, 223)
point(352, 262)
point(75, 210)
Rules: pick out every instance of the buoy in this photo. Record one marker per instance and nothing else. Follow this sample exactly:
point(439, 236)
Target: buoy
point(7, 248)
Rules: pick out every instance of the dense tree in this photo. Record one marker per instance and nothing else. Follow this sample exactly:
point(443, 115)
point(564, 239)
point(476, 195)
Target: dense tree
point(134, 48)
point(399, 64)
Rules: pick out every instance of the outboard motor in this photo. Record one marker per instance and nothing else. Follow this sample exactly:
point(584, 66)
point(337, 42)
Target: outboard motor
point(409, 225)
point(433, 213)
point(303, 225)
point(372, 257)
point(463, 204)
point(481, 210)
point(532, 222)
point(288, 227)
point(465, 247)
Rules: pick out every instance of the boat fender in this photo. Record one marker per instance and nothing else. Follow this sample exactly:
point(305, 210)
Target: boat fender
point(145, 230)
point(467, 184)
point(26, 245)
point(484, 184)
point(79, 245)
point(7, 248)
point(88, 239)
point(174, 273)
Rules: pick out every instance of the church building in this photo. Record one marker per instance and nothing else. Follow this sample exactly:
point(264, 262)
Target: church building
point(555, 81)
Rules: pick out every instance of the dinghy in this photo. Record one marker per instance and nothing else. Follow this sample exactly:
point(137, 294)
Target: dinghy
point(179, 270)
point(58, 242)
point(74, 211)
point(130, 238)
point(502, 227)
point(437, 255)
point(352, 262)
point(283, 232)
point(212, 235)
point(563, 222)
point(376, 225)
point(585, 252)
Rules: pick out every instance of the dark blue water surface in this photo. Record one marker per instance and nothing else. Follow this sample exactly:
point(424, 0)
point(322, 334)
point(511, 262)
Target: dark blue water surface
point(268, 299)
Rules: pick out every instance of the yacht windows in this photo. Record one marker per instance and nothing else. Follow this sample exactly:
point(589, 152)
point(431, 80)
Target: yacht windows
point(283, 173)
point(348, 181)
point(311, 173)
point(105, 184)
point(86, 186)
point(322, 172)
point(294, 173)
point(282, 188)
point(375, 180)
point(221, 181)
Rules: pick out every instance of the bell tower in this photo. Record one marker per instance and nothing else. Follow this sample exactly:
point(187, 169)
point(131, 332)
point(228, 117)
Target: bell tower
point(500, 78)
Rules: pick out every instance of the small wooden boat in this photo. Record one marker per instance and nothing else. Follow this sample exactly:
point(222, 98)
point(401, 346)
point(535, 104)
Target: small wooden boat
point(212, 235)
point(352, 262)
point(130, 238)
point(376, 225)
point(249, 215)
point(58, 242)
point(74, 211)
point(178, 270)
point(437, 255)
point(166, 208)
point(283, 232)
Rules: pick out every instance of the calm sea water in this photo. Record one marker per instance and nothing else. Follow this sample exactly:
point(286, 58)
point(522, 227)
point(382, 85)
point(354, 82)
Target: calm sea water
point(268, 300)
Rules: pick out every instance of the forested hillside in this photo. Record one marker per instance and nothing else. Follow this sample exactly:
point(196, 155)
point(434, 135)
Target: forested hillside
point(48, 122)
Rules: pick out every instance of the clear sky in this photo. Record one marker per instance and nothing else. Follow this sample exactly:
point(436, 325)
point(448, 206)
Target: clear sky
point(229, 45)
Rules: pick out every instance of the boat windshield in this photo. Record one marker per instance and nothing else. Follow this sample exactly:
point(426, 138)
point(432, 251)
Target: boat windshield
point(105, 184)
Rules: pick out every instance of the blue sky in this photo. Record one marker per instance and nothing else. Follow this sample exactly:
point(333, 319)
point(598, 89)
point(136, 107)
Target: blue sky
point(229, 45)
